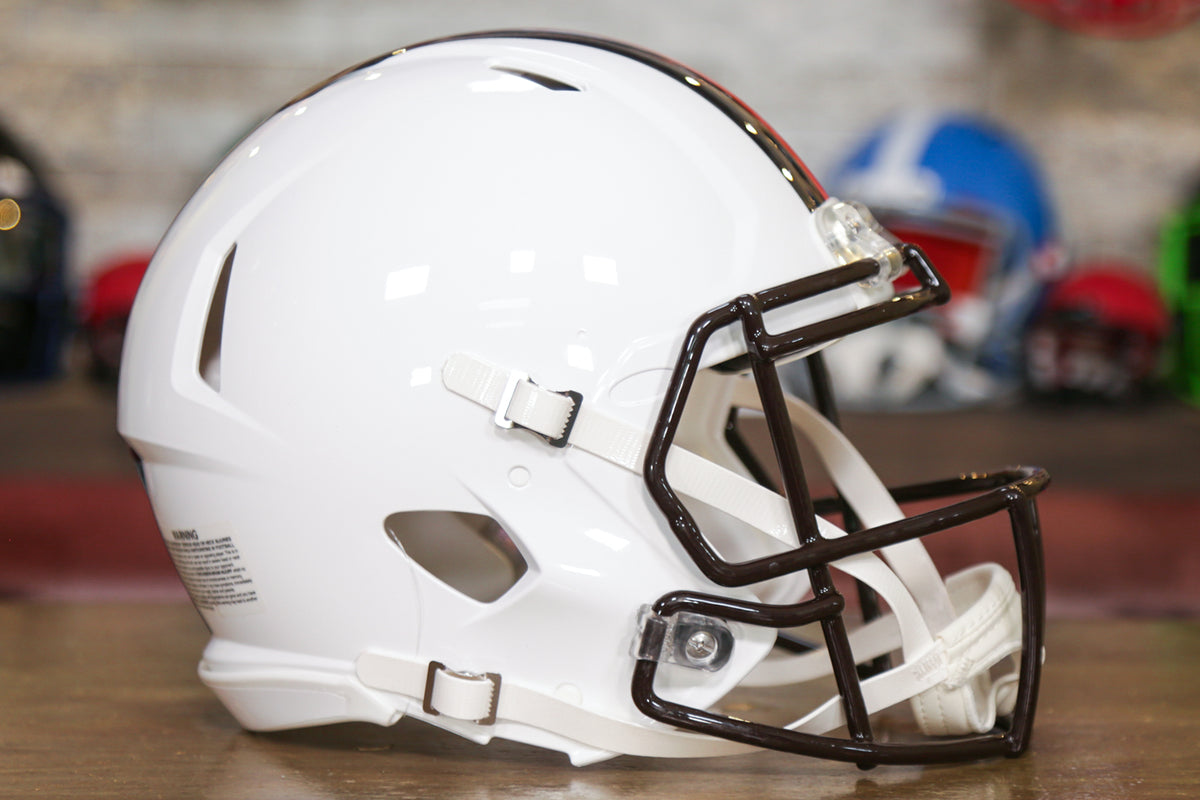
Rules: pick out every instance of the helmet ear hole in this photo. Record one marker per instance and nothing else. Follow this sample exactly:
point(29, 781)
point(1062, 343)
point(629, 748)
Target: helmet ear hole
point(470, 553)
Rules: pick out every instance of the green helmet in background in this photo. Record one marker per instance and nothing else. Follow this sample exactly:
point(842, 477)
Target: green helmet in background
point(1179, 280)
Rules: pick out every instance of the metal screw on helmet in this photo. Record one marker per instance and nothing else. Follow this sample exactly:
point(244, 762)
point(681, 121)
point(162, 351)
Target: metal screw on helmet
point(701, 642)
point(694, 641)
point(701, 648)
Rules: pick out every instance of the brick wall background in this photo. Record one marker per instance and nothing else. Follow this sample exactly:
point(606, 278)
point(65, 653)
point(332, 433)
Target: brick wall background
point(131, 101)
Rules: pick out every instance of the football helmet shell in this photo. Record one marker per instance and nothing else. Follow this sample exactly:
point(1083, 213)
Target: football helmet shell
point(493, 300)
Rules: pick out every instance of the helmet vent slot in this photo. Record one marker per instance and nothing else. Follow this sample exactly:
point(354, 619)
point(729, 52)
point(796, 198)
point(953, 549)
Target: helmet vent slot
point(545, 81)
point(210, 345)
point(470, 553)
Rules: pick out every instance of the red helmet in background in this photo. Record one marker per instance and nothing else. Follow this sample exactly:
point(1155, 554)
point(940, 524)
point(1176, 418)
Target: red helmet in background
point(104, 309)
point(1099, 334)
point(1115, 19)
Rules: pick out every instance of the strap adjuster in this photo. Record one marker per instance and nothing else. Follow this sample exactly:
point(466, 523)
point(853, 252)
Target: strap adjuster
point(576, 401)
point(506, 397)
point(503, 420)
point(468, 696)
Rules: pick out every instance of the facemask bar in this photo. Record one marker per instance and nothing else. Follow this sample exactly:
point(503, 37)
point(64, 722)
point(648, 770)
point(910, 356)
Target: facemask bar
point(822, 390)
point(1012, 491)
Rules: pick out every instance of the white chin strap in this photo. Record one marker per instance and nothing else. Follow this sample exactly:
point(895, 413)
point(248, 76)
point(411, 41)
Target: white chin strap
point(951, 634)
point(975, 616)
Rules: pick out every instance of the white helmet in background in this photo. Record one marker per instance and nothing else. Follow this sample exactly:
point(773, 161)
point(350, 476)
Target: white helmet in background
point(430, 384)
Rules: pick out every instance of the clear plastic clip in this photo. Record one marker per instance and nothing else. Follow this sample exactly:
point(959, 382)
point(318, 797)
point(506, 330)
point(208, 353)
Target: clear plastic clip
point(852, 234)
point(689, 640)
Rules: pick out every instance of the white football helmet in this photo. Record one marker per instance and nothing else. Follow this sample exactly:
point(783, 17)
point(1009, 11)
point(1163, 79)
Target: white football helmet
point(430, 384)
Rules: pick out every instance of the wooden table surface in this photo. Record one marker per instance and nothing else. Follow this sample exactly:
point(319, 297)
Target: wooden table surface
point(103, 701)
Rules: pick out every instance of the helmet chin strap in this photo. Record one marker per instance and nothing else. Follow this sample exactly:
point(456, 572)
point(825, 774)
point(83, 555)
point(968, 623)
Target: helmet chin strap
point(948, 682)
point(975, 614)
point(865, 493)
point(950, 636)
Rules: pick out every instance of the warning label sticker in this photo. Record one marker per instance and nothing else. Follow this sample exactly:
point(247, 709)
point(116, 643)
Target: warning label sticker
point(212, 570)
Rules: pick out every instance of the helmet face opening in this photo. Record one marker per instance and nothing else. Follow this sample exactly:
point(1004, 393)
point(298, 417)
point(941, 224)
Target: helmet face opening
point(1011, 492)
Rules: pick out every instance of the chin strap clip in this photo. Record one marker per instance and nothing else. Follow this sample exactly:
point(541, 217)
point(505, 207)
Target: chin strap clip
point(517, 401)
point(470, 696)
point(690, 640)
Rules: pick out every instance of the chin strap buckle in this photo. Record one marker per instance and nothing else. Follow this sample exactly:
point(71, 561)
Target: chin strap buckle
point(470, 696)
point(516, 401)
point(539, 410)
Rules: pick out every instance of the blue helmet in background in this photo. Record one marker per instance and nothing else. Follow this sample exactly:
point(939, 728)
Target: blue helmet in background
point(972, 196)
point(33, 291)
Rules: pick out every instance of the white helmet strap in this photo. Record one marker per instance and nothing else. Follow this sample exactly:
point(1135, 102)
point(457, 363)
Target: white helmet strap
point(948, 646)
